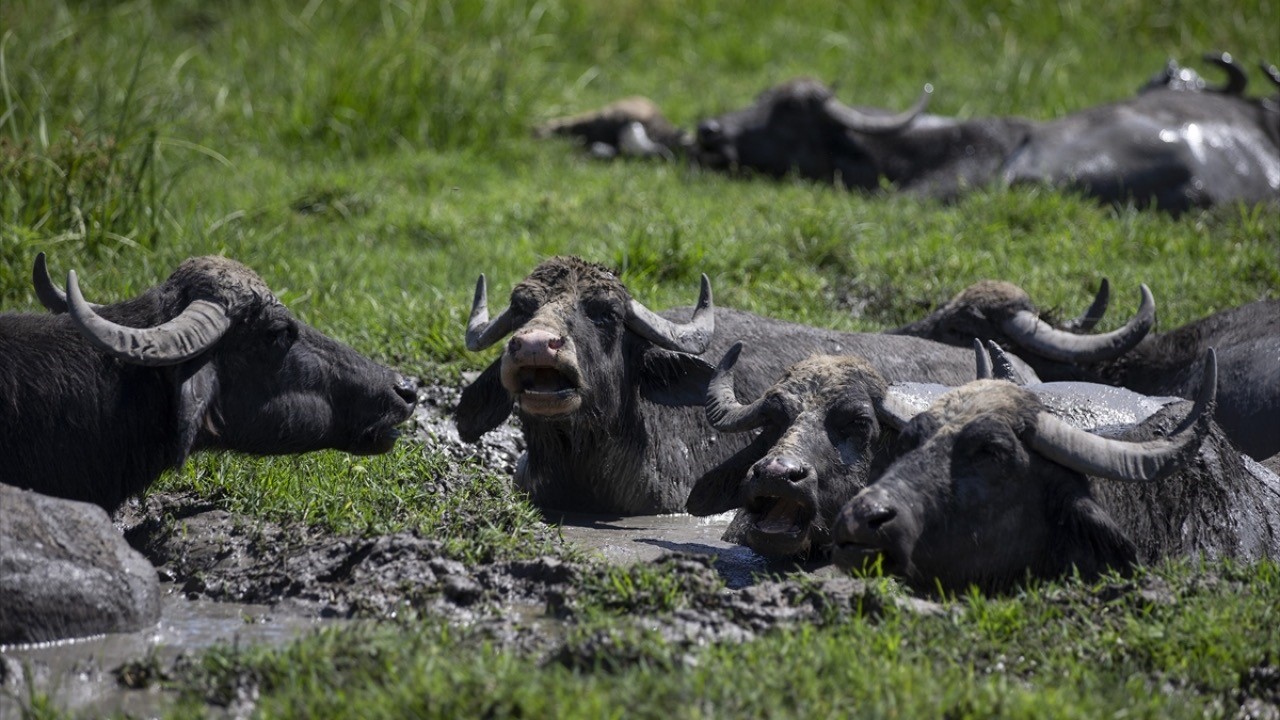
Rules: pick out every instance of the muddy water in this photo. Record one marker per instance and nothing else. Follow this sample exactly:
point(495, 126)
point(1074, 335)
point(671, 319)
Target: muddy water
point(80, 675)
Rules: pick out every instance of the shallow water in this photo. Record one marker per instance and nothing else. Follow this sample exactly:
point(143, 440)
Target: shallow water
point(79, 675)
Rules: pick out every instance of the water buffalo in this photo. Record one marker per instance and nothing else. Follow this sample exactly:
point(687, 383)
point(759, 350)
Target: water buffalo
point(1246, 338)
point(819, 443)
point(992, 487)
point(99, 400)
point(609, 394)
point(1167, 148)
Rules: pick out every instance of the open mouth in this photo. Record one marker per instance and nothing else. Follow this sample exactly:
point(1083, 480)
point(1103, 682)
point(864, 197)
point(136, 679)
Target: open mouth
point(779, 526)
point(546, 391)
point(376, 440)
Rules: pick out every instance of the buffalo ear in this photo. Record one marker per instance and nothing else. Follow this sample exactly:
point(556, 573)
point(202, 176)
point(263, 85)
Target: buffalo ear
point(485, 404)
point(719, 489)
point(1092, 542)
point(674, 379)
point(197, 385)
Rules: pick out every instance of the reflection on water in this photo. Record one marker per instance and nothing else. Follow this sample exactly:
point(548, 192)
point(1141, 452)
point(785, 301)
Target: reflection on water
point(79, 674)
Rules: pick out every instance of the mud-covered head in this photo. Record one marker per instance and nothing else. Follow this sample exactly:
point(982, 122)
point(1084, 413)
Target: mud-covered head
point(990, 487)
point(578, 342)
point(248, 375)
point(994, 310)
point(799, 127)
point(819, 440)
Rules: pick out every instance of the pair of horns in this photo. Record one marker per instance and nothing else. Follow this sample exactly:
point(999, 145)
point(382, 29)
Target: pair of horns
point(196, 329)
point(1027, 330)
point(859, 121)
point(993, 364)
point(691, 337)
point(1094, 455)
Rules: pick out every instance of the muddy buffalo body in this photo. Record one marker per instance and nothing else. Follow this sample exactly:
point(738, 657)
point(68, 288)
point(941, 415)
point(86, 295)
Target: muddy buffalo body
point(992, 487)
point(99, 400)
point(609, 394)
point(1246, 340)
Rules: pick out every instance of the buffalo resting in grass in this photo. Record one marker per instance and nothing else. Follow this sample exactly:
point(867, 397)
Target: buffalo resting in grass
point(1246, 340)
point(609, 394)
point(992, 487)
point(99, 400)
point(1165, 147)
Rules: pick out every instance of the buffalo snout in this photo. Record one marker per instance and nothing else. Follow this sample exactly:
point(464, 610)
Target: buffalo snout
point(862, 530)
point(781, 467)
point(407, 390)
point(535, 347)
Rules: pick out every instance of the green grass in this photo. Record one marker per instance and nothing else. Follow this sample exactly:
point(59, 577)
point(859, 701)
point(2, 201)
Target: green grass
point(370, 159)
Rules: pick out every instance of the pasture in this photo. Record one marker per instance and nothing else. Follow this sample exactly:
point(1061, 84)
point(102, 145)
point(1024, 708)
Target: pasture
point(370, 159)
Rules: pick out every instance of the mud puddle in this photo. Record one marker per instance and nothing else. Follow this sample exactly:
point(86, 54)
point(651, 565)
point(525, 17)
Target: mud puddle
point(91, 677)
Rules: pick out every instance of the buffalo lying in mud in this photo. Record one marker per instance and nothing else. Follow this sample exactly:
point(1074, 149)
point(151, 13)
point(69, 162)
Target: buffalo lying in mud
point(820, 442)
point(1246, 338)
point(991, 487)
point(1164, 147)
point(99, 400)
point(609, 394)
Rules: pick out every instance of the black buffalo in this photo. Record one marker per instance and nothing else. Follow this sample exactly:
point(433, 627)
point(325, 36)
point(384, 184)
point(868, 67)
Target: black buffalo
point(98, 400)
point(991, 487)
point(820, 442)
point(1246, 338)
point(1167, 148)
point(609, 393)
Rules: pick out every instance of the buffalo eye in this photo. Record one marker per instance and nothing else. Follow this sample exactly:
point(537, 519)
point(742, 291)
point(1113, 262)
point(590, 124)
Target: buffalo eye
point(988, 444)
point(853, 424)
point(523, 305)
point(602, 313)
point(921, 428)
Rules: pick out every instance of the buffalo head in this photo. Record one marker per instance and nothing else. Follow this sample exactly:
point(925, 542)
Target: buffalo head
point(819, 440)
point(578, 342)
point(247, 375)
point(990, 487)
point(998, 311)
point(799, 127)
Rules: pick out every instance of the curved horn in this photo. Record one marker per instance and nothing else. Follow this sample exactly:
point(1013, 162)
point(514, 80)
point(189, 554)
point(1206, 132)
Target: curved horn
point(1119, 460)
point(480, 332)
point(691, 337)
point(1086, 322)
point(982, 360)
point(1236, 79)
point(724, 412)
point(1040, 337)
point(1002, 368)
point(51, 296)
point(201, 324)
point(859, 121)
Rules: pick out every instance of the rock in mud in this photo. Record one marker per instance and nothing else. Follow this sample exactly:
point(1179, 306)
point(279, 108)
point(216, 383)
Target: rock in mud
point(66, 572)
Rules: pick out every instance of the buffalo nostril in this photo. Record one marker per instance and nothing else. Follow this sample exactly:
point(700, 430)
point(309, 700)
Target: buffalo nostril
point(782, 466)
point(875, 516)
point(407, 390)
point(514, 344)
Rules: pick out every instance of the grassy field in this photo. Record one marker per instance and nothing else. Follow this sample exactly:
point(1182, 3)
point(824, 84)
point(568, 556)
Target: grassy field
point(370, 159)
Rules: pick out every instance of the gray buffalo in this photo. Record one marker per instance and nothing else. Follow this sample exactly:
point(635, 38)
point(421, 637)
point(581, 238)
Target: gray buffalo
point(609, 394)
point(992, 487)
point(1175, 77)
point(1166, 148)
point(99, 400)
point(1246, 338)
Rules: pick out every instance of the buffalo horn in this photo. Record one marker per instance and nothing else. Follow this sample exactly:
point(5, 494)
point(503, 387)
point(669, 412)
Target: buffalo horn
point(1086, 322)
point(859, 121)
point(51, 296)
point(983, 361)
point(724, 412)
point(1119, 460)
point(191, 333)
point(895, 410)
point(1236, 79)
point(480, 332)
point(1002, 368)
point(691, 337)
point(1038, 336)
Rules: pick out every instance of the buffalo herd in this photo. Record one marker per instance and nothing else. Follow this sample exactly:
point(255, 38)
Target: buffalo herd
point(979, 445)
point(1175, 145)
